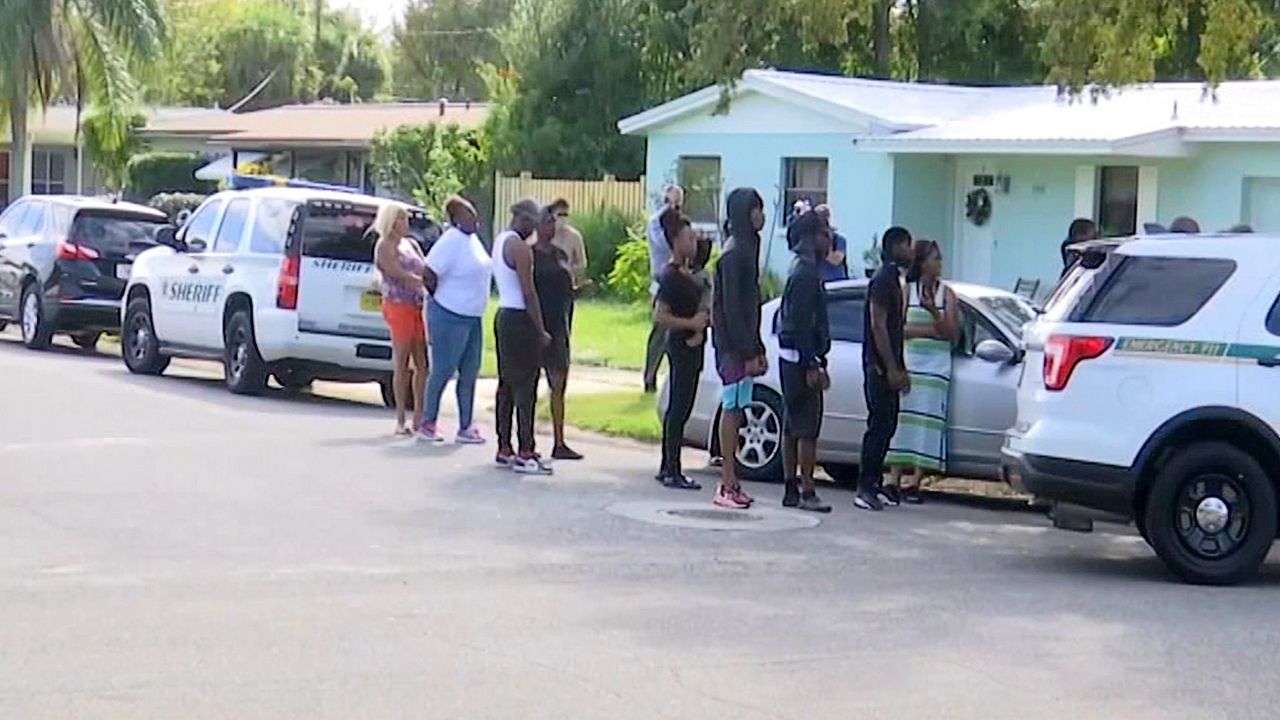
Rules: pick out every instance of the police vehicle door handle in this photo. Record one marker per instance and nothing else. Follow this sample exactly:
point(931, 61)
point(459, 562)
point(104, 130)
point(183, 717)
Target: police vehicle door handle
point(1269, 362)
point(227, 269)
point(193, 269)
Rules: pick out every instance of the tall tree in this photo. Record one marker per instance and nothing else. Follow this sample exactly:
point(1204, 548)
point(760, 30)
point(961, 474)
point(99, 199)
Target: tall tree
point(72, 48)
point(349, 58)
point(440, 46)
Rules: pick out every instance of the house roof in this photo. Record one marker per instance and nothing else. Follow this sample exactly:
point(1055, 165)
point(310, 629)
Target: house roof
point(329, 124)
point(1146, 120)
point(56, 124)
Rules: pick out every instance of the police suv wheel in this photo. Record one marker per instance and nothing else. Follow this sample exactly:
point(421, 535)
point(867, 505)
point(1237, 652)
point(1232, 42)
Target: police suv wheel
point(36, 333)
point(246, 373)
point(139, 345)
point(1211, 514)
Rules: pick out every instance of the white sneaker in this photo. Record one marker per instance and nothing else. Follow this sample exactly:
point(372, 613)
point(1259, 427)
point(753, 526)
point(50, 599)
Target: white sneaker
point(530, 466)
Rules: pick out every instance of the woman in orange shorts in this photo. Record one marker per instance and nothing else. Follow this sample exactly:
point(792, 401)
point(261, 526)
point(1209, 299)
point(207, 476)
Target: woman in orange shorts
point(400, 262)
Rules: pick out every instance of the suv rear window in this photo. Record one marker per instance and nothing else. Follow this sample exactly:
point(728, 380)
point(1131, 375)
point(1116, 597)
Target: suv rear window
point(115, 234)
point(1159, 291)
point(338, 232)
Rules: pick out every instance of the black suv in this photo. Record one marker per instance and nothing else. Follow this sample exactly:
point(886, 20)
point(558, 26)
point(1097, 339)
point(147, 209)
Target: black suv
point(65, 261)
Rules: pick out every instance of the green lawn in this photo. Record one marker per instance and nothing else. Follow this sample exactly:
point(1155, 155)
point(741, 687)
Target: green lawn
point(605, 334)
point(629, 414)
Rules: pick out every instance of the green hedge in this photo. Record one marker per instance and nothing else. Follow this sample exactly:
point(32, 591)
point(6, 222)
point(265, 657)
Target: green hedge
point(166, 172)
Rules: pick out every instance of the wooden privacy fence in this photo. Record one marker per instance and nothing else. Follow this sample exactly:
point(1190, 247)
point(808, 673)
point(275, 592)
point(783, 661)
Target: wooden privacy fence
point(583, 195)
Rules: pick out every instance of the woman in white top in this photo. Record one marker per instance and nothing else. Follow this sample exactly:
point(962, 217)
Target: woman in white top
point(521, 336)
point(458, 273)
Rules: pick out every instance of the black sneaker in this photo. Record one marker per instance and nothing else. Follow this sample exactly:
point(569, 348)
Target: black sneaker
point(912, 496)
point(867, 501)
point(809, 501)
point(791, 496)
point(890, 496)
point(563, 452)
point(680, 482)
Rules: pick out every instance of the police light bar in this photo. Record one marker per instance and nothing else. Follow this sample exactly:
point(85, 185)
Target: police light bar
point(252, 182)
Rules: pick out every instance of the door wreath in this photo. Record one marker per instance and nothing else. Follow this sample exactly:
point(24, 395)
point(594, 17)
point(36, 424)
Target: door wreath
point(977, 206)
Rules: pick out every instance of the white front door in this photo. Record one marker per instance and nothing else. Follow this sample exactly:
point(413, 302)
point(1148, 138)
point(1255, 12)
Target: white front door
point(974, 243)
point(1263, 200)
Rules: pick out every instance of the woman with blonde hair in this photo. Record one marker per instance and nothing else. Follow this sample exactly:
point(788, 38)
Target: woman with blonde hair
point(400, 263)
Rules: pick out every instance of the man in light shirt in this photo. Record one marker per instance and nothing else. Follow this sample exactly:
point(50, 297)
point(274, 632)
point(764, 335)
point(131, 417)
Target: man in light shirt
point(659, 258)
point(568, 239)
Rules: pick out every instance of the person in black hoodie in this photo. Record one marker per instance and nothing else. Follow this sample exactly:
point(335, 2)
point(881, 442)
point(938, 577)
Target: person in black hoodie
point(735, 323)
point(804, 339)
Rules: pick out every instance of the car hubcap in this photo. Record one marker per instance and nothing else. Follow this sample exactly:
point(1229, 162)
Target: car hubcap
point(760, 436)
point(30, 317)
point(139, 336)
point(1213, 516)
point(239, 354)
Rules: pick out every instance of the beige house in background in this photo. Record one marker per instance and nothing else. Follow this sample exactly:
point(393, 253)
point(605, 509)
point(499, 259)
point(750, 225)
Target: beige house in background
point(324, 142)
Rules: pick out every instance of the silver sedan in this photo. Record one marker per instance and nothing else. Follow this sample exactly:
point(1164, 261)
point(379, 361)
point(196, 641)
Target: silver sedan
point(985, 372)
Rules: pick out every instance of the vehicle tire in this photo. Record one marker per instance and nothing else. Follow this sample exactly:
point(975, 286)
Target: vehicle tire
point(1211, 514)
point(246, 373)
point(36, 333)
point(292, 379)
point(86, 340)
point(139, 345)
point(759, 454)
point(844, 474)
point(388, 393)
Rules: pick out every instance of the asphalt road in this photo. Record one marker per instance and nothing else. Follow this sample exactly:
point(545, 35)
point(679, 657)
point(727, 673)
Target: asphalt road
point(169, 551)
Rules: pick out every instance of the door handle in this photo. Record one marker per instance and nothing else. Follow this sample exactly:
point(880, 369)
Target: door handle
point(193, 269)
point(1269, 362)
point(227, 269)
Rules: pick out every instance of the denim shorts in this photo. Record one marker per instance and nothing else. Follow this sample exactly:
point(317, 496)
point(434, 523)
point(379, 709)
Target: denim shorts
point(737, 396)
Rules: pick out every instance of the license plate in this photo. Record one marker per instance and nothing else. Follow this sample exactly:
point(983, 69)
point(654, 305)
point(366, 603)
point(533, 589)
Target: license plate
point(123, 270)
point(371, 301)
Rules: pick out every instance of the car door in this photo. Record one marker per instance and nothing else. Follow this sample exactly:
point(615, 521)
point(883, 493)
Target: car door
point(13, 227)
point(845, 408)
point(176, 278)
point(983, 402)
point(1258, 346)
point(216, 265)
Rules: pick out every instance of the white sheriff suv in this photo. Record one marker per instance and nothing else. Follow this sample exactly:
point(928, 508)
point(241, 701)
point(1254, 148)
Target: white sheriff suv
point(1151, 391)
point(276, 281)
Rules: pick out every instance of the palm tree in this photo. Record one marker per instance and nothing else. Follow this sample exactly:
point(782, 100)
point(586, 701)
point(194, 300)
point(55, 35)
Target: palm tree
point(72, 49)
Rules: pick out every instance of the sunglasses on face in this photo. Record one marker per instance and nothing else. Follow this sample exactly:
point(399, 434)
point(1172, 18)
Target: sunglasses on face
point(562, 215)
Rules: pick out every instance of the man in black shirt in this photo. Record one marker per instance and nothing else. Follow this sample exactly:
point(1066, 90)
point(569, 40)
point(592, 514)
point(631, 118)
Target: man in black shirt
point(884, 374)
point(1081, 230)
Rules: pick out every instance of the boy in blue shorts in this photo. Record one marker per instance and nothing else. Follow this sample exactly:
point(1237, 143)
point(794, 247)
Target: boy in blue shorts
point(735, 322)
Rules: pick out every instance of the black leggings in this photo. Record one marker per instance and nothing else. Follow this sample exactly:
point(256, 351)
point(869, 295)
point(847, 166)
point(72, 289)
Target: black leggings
point(519, 366)
point(686, 368)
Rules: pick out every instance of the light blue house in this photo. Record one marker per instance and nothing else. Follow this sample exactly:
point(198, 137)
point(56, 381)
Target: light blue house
point(994, 174)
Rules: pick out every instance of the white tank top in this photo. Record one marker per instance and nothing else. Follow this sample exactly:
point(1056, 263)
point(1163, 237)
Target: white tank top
point(510, 294)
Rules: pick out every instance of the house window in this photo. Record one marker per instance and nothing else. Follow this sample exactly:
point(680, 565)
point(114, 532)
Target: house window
point(1118, 201)
point(48, 173)
point(804, 179)
point(700, 178)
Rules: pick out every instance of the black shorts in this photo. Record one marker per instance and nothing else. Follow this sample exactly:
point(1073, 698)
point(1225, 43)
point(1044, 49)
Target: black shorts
point(802, 404)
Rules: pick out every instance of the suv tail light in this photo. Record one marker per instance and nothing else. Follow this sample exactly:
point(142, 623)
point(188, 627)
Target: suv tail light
point(287, 286)
point(1063, 352)
point(68, 250)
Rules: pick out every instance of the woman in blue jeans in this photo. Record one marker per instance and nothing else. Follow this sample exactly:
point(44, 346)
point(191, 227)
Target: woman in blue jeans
point(458, 275)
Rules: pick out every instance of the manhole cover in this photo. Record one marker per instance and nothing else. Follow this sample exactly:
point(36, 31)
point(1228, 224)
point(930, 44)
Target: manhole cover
point(700, 517)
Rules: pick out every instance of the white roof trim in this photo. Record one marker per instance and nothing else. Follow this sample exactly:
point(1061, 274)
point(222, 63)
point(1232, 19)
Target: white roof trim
point(1165, 142)
point(761, 82)
point(637, 124)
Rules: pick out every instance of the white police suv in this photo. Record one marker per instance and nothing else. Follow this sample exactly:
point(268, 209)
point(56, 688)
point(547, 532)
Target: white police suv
point(275, 281)
point(1151, 390)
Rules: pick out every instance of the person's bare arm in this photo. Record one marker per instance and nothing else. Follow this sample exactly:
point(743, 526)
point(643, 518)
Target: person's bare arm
point(949, 327)
point(880, 331)
point(667, 321)
point(389, 264)
point(520, 256)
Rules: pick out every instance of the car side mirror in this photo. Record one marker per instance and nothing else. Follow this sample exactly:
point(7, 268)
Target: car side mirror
point(195, 245)
point(994, 351)
point(168, 236)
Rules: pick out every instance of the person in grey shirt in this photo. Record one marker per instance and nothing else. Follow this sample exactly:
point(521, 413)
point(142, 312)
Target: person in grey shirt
point(659, 258)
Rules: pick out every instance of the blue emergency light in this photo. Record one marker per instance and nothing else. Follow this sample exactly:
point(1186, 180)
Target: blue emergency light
point(253, 182)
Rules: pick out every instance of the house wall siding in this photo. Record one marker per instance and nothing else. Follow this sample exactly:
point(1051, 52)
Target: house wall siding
point(922, 198)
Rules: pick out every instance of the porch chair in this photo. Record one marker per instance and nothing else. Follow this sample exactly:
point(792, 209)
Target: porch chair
point(1026, 288)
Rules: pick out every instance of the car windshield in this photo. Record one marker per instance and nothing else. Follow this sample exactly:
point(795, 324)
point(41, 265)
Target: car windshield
point(116, 234)
point(1012, 313)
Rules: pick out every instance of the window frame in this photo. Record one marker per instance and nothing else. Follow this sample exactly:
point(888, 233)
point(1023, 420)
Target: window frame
point(247, 204)
point(694, 189)
point(791, 193)
point(46, 186)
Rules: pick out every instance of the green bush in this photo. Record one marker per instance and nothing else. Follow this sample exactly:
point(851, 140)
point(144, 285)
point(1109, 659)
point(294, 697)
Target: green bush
point(629, 279)
point(604, 230)
point(173, 203)
point(166, 172)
